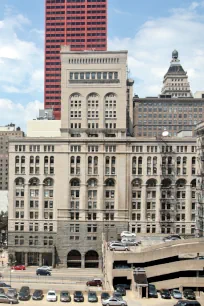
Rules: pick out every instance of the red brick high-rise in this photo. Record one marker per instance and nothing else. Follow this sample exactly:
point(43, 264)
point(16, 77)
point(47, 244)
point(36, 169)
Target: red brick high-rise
point(82, 24)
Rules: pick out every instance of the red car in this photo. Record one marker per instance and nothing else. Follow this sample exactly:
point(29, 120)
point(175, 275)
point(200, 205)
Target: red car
point(94, 282)
point(18, 267)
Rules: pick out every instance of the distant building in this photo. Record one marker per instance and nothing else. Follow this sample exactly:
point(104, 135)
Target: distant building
point(6, 132)
point(176, 80)
point(174, 110)
point(82, 25)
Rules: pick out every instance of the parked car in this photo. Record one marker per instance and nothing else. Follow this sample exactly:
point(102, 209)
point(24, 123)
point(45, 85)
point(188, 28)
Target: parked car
point(18, 267)
point(92, 297)
point(46, 268)
point(105, 296)
point(187, 303)
point(189, 294)
point(2, 291)
point(127, 234)
point(126, 286)
point(152, 291)
point(130, 243)
point(121, 290)
point(65, 296)
point(171, 238)
point(165, 294)
point(4, 285)
point(78, 296)
point(12, 292)
point(51, 296)
point(117, 295)
point(8, 300)
point(95, 282)
point(113, 301)
point(118, 247)
point(176, 294)
point(24, 293)
point(43, 272)
point(37, 295)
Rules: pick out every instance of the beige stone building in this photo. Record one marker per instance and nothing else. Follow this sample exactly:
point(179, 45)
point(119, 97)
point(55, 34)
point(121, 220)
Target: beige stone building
point(95, 178)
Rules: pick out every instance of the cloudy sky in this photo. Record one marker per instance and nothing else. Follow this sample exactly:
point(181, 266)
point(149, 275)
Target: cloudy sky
point(148, 29)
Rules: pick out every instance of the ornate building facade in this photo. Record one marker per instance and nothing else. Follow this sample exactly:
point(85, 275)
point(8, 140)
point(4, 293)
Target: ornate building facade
point(95, 179)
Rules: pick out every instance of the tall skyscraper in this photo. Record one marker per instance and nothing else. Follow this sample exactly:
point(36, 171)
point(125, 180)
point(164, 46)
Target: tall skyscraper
point(82, 24)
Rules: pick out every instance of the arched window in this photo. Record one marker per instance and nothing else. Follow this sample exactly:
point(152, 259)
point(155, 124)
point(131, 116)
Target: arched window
point(50, 240)
point(110, 165)
point(134, 165)
point(136, 197)
point(48, 182)
point(52, 159)
point(109, 199)
point(75, 165)
point(34, 182)
point(92, 183)
point(140, 165)
point(92, 165)
point(110, 110)
point(19, 181)
point(93, 110)
point(17, 159)
point(46, 159)
point(37, 160)
point(22, 159)
point(45, 240)
point(155, 165)
point(193, 166)
point(31, 159)
point(149, 165)
point(75, 107)
point(75, 183)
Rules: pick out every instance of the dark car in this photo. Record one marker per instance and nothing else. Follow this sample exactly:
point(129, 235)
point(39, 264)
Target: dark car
point(43, 272)
point(165, 294)
point(92, 297)
point(120, 290)
point(152, 291)
point(78, 296)
point(37, 295)
point(24, 294)
point(7, 300)
point(4, 285)
point(189, 294)
point(187, 303)
point(65, 296)
point(12, 293)
point(105, 296)
point(94, 282)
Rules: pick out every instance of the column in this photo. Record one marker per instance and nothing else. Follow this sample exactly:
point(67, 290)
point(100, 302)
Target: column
point(41, 202)
point(82, 260)
point(26, 202)
point(26, 259)
point(158, 207)
point(188, 209)
point(143, 207)
point(40, 259)
point(83, 201)
point(100, 201)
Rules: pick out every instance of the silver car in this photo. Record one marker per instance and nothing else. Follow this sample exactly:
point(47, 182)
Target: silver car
point(114, 301)
point(176, 294)
point(8, 300)
point(118, 247)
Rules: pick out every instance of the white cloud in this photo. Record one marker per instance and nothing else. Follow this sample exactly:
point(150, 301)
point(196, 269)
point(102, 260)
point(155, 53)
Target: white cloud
point(18, 113)
point(21, 60)
point(150, 49)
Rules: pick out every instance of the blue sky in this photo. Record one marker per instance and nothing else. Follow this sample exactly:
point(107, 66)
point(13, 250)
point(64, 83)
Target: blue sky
point(149, 30)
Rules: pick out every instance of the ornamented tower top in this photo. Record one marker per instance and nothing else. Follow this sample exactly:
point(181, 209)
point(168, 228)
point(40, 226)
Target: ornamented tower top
point(175, 81)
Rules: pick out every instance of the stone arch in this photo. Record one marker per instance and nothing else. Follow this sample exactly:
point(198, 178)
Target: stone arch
point(48, 182)
point(137, 183)
point(92, 182)
point(165, 183)
point(34, 181)
point(19, 181)
point(110, 182)
point(151, 183)
point(75, 182)
point(181, 183)
point(74, 259)
point(91, 259)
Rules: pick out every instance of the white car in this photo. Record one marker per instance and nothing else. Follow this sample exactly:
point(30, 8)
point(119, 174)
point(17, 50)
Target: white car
point(118, 247)
point(46, 268)
point(51, 296)
point(113, 301)
point(127, 234)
